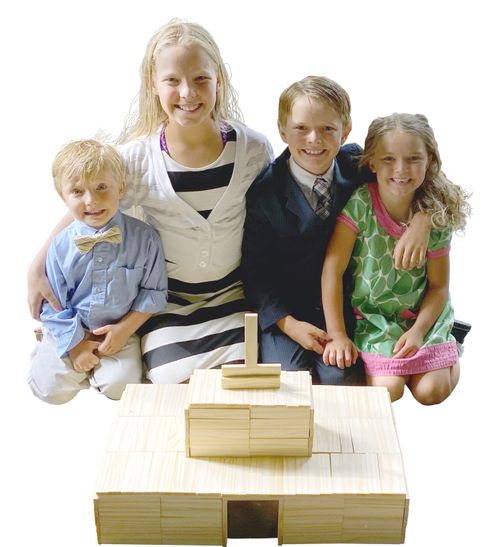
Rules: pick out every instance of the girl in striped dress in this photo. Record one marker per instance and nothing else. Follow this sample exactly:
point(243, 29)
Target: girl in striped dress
point(189, 164)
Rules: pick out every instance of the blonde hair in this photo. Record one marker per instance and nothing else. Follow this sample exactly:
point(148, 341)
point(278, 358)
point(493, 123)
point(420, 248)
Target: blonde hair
point(445, 201)
point(84, 160)
point(147, 114)
point(319, 88)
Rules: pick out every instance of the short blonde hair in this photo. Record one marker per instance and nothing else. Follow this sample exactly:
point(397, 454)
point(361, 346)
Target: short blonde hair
point(445, 201)
point(320, 88)
point(84, 160)
point(147, 114)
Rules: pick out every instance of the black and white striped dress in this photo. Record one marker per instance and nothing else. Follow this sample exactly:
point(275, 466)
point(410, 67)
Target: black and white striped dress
point(199, 214)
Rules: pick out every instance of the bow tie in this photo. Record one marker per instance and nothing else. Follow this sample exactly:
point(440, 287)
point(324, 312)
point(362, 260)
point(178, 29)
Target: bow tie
point(86, 243)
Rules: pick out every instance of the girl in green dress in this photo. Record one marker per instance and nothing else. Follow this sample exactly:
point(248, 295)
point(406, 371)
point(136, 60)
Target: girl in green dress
point(404, 318)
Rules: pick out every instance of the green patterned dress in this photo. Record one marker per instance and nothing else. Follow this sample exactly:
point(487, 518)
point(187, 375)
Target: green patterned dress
point(386, 301)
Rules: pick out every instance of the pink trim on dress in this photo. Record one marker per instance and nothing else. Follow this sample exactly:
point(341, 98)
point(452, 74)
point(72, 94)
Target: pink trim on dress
point(426, 359)
point(348, 222)
point(407, 314)
point(439, 252)
point(392, 227)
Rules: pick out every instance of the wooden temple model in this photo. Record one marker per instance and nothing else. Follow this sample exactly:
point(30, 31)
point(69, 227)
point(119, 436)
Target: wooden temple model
point(200, 463)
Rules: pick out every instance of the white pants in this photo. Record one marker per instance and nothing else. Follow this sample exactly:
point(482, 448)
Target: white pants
point(55, 381)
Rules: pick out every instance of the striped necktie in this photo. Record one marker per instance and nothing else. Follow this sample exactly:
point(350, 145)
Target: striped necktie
point(321, 190)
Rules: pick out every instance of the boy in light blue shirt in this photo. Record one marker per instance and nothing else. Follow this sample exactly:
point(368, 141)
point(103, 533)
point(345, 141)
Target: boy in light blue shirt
point(108, 272)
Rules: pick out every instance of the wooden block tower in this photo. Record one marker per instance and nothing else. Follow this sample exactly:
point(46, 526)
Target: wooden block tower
point(249, 422)
point(250, 409)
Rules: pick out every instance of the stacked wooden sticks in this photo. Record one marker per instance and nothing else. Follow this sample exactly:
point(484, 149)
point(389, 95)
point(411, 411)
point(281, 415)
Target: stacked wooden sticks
point(249, 422)
point(251, 375)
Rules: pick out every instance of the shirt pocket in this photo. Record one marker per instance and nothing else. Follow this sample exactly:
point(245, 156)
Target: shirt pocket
point(123, 286)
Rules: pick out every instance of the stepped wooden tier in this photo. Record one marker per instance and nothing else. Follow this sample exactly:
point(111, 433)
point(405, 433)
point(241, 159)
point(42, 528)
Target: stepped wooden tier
point(249, 422)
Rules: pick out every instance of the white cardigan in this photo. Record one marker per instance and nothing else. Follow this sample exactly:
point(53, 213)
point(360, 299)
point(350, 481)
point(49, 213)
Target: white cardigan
point(196, 249)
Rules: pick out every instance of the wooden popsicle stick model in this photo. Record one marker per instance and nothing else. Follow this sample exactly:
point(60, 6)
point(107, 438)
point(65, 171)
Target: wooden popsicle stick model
point(252, 374)
point(350, 486)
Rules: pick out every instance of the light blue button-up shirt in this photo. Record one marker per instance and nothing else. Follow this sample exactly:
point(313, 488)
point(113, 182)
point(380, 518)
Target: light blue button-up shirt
point(100, 287)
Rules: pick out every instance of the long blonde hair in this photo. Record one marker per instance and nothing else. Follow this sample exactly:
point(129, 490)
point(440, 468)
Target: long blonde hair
point(445, 201)
point(146, 114)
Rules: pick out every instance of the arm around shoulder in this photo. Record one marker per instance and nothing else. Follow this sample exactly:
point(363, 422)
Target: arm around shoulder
point(39, 288)
point(411, 248)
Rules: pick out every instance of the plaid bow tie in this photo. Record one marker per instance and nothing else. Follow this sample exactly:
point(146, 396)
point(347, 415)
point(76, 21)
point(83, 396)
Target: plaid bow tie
point(86, 243)
point(321, 189)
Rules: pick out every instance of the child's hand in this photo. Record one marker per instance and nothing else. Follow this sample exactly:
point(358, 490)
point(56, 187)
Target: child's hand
point(83, 356)
point(410, 253)
point(411, 249)
point(305, 334)
point(115, 337)
point(341, 352)
point(39, 289)
point(408, 344)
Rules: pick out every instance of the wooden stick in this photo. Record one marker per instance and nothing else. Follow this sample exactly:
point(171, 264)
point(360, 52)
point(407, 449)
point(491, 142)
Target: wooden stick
point(251, 340)
point(251, 374)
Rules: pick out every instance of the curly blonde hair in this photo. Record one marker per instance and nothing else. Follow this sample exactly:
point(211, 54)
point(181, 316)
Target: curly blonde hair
point(146, 114)
point(444, 201)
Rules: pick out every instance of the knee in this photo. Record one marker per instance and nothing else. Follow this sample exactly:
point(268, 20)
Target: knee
point(52, 379)
point(51, 394)
point(433, 394)
point(396, 392)
point(113, 381)
point(394, 385)
point(113, 391)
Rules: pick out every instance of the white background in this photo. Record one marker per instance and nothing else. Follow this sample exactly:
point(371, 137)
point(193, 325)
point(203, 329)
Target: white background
point(71, 68)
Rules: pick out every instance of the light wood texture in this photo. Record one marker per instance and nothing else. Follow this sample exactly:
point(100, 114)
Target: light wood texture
point(249, 422)
point(352, 489)
point(251, 375)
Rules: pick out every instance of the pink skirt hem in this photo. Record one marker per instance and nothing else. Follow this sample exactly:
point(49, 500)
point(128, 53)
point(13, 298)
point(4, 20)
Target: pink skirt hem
point(426, 359)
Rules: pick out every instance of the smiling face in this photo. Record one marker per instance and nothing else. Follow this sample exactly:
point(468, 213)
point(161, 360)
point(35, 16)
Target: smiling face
point(314, 133)
point(400, 161)
point(185, 81)
point(94, 202)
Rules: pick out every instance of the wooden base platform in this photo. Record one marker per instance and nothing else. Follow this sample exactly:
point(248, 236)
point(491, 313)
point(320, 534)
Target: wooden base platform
point(351, 490)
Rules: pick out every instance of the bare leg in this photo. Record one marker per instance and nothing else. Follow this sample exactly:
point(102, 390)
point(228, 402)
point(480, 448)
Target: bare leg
point(432, 388)
point(455, 375)
point(395, 384)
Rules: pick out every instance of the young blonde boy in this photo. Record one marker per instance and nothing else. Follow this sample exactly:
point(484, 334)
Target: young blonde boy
point(107, 270)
